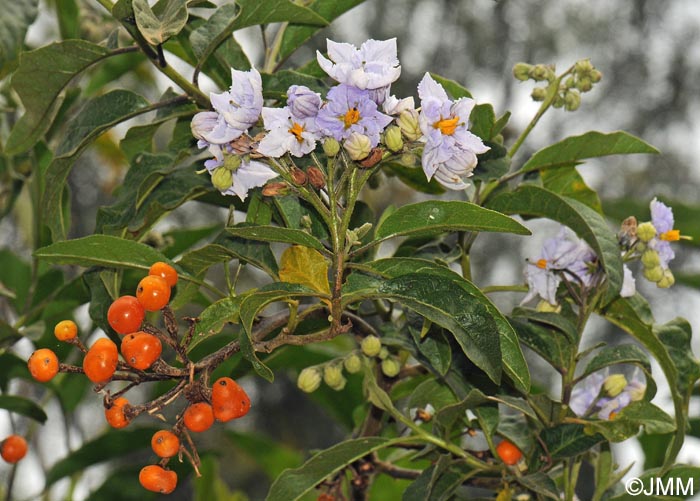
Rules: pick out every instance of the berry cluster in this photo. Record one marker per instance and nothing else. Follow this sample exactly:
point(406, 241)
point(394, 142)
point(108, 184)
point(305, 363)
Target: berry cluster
point(141, 349)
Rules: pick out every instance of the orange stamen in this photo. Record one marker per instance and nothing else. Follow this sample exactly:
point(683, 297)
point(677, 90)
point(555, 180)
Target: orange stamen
point(542, 263)
point(612, 415)
point(671, 235)
point(297, 130)
point(447, 126)
point(351, 117)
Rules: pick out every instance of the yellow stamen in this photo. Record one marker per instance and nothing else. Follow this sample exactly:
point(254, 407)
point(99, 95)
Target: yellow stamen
point(671, 235)
point(612, 415)
point(447, 126)
point(297, 129)
point(542, 263)
point(351, 117)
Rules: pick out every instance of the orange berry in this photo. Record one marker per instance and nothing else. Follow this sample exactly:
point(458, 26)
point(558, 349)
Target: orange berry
point(165, 443)
point(228, 399)
point(65, 330)
point(125, 315)
point(165, 271)
point(141, 349)
point(115, 414)
point(508, 452)
point(100, 361)
point(43, 365)
point(153, 292)
point(198, 417)
point(157, 479)
point(13, 448)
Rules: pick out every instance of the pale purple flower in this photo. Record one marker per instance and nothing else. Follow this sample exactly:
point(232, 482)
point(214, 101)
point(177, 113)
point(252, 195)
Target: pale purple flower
point(634, 391)
point(450, 148)
point(565, 255)
point(248, 175)
point(662, 219)
point(373, 66)
point(287, 133)
point(210, 128)
point(303, 102)
point(585, 394)
point(349, 110)
point(394, 106)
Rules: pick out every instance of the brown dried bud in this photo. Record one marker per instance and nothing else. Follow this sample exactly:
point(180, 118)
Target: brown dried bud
point(374, 157)
point(316, 177)
point(275, 189)
point(298, 176)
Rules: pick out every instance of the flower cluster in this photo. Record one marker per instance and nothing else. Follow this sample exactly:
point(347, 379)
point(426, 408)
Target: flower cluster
point(606, 395)
point(654, 243)
point(359, 113)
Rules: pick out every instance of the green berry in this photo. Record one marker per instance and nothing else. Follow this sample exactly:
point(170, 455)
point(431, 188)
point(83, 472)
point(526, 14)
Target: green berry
point(371, 346)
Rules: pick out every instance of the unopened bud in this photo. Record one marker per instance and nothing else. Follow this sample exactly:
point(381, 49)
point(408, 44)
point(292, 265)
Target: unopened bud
point(358, 146)
point(614, 384)
point(541, 72)
point(636, 390)
point(371, 346)
point(391, 367)
point(654, 274)
point(569, 83)
point(521, 71)
point(558, 101)
point(222, 178)
point(539, 94)
point(667, 280)
point(595, 76)
point(298, 176)
point(572, 100)
point(275, 189)
point(303, 102)
point(383, 353)
point(408, 123)
point(306, 222)
point(353, 363)
point(309, 379)
point(408, 159)
point(331, 147)
point(333, 376)
point(584, 84)
point(232, 162)
point(546, 307)
point(646, 231)
point(375, 156)
point(363, 230)
point(650, 258)
point(393, 139)
point(316, 177)
point(583, 67)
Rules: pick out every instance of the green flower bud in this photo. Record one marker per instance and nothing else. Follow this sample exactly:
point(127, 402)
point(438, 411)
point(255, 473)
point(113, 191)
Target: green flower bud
point(583, 67)
point(333, 376)
point(371, 346)
point(393, 139)
point(558, 101)
point(650, 258)
point(309, 379)
point(358, 146)
point(353, 363)
point(636, 391)
point(654, 274)
point(569, 83)
point(572, 100)
point(646, 231)
point(539, 94)
point(408, 159)
point(232, 162)
point(584, 84)
point(595, 76)
point(331, 147)
point(541, 72)
point(222, 178)
point(383, 353)
point(667, 280)
point(391, 367)
point(521, 71)
point(408, 123)
point(614, 384)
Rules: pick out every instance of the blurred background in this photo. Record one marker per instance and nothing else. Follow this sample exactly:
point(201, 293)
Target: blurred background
point(649, 54)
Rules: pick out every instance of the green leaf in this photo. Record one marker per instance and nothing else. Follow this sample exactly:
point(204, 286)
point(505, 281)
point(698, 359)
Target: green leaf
point(68, 19)
point(548, 343)
point(213, 36)
point(57, 63)
point(101, 250)
point(293, 484)
point(531, 200)
point(14, 23)
point(437, 216)
point(414, 177)
point(277, 234)
point(620, 354)
point(493, 164)
point(272, 456)
point(211, 485)
point(568, 182)
point(540, 483)
point(23, 406)
point(454, 89)
point(630, 419)
point(568, 440)
point(482, 120)
point(434, 346)
point(559, 321)
point(157, 29)
point(107, 447)
point(589, 145)
point(214, 317)
point(305, 266)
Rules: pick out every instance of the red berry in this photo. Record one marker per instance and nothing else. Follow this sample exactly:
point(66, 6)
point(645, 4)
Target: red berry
point(115, 414)
point(153, 292)
point(13, 448)
point(100, 361)
point(165, 271)
point(165, 444)
point(229, 400)
point(43, 365)
point(141, 349)
point(198, 417)
point(508, 452)
point(157, 479)
point(126, 315)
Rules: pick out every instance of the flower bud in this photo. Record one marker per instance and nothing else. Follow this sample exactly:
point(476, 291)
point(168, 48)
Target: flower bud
point(393, 139)
point(309, 380)
point(298, 176)
point(584, 84)
point(521, 71)
point(539, 94)
point(222, 178)
point(331, 147)
point(569, 83)
point(583, 67)
point(408, 123)
point(375, 156)
point(316, 177)
point(353, 363)
point(303, 102)
point(232, 162)
point(371, 346)
point(558, 101)
point(391, 367)
point(408, 159)
point(654, 274)
point(646, 231)
point(275, 189)
point(667, 280)
point(333, 376)
point(595, 76)
point(358, 146)
point(541, 72)
point(572, 100)
point(614, 384)
point(204, 123)
point(636, 390)
point(383, 353)
point(650, 258)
